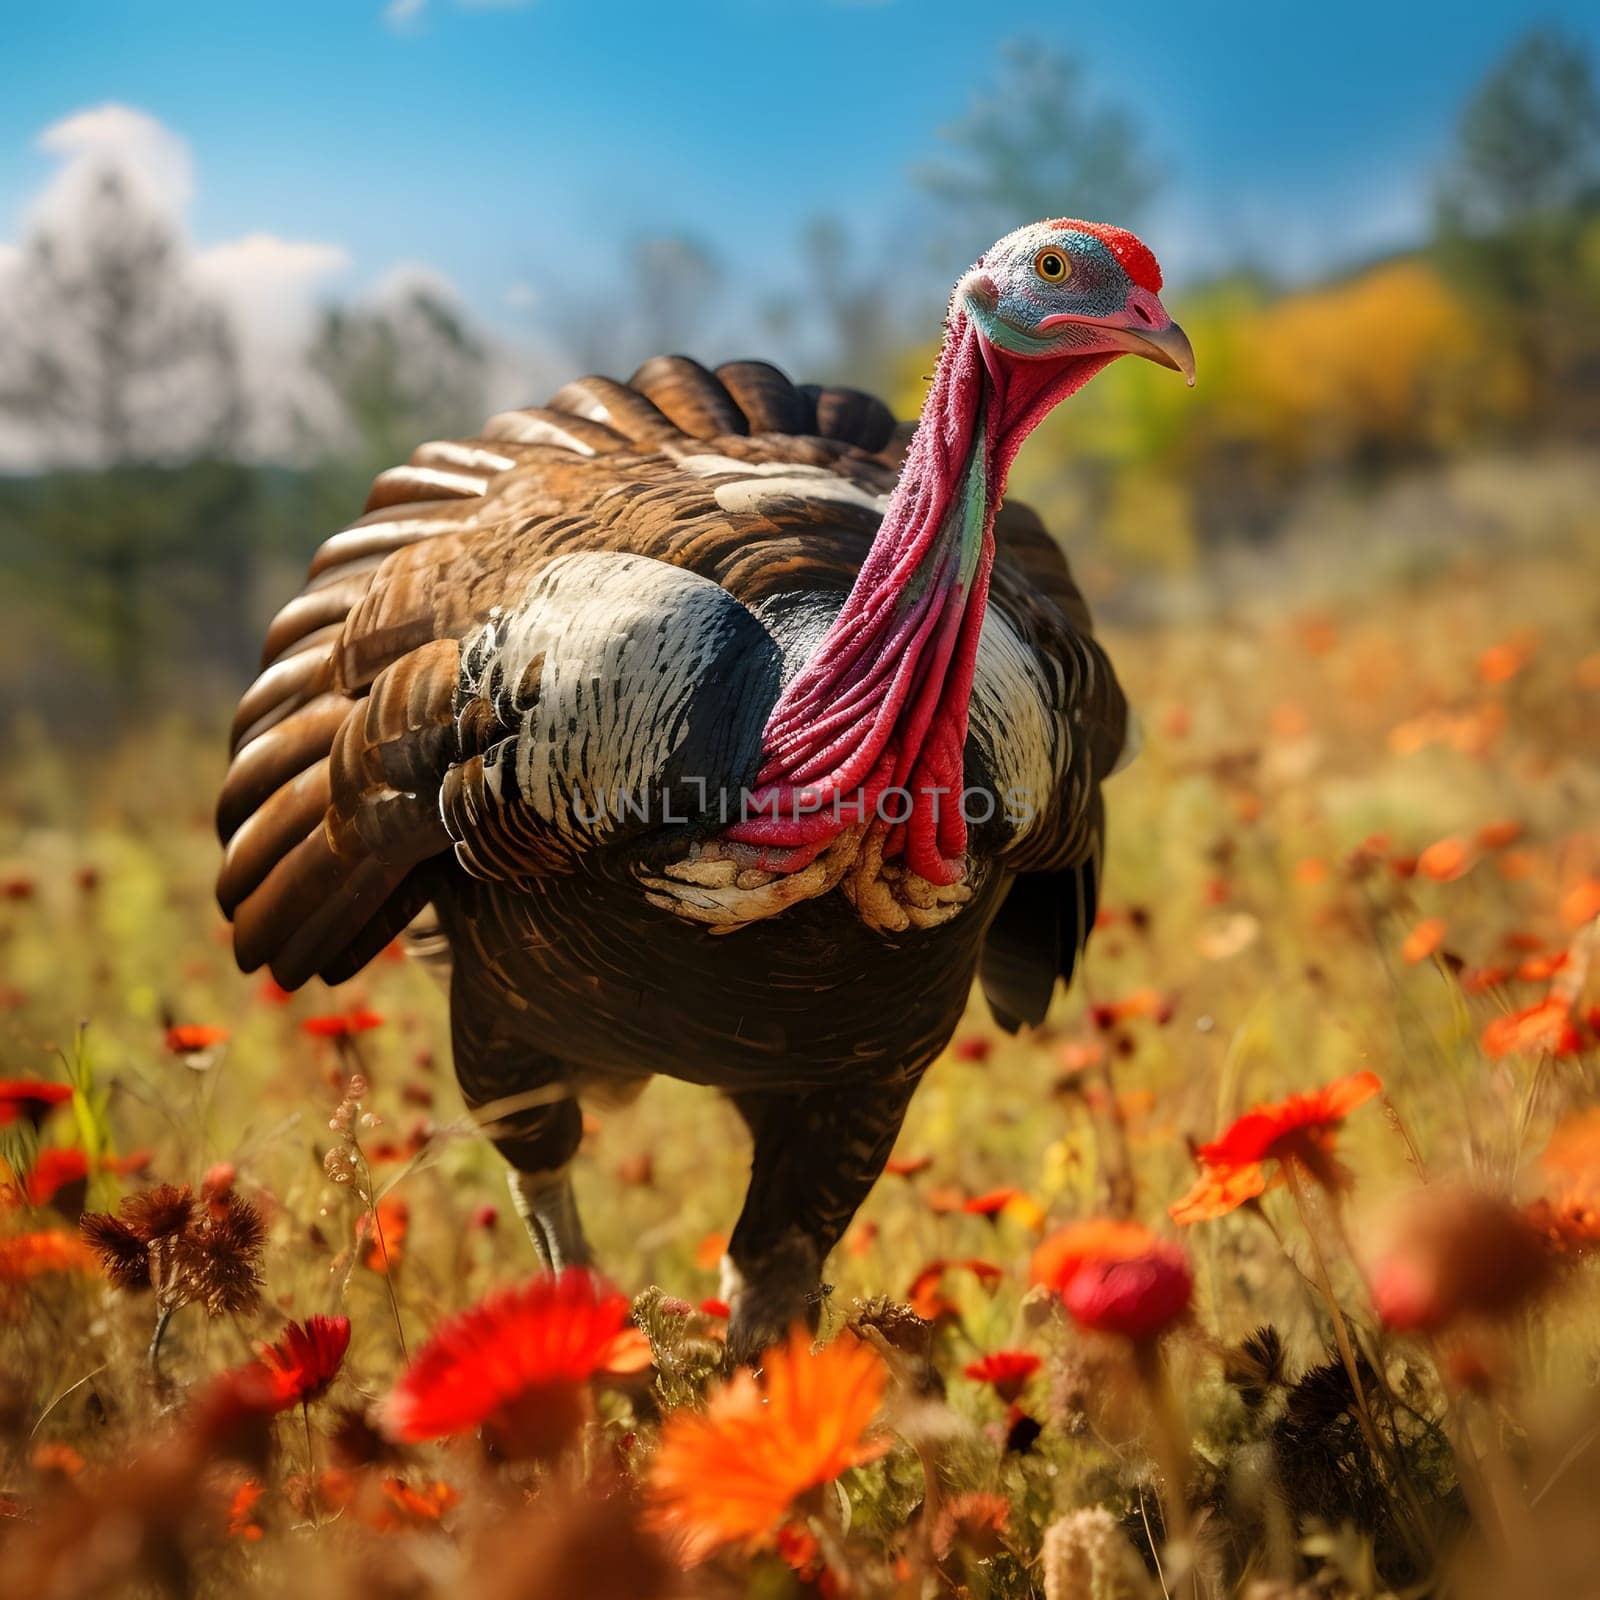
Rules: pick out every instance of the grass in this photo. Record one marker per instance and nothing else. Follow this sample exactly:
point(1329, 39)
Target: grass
point(1259, 895)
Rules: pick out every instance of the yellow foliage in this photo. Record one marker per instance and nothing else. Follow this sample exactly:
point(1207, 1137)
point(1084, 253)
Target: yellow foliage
point(1389, 361)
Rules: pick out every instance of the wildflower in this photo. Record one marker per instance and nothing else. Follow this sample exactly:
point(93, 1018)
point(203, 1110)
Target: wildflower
point(25, 1256)
point(30, 1100)
point(729, 1474)
point(1115, 1276)
point(1546, 1028)
point(926, 1295)
point(1137, 1297)
point(713, 1307)
point(1445, 860)
point(383, 1241)
point(1497, 835)
point(515, 1364)
point(1300, 1129)
point(1458, 1253)
point(1423, 940)
point(1006, 1371)
point(1581, 903)
point(1145, 1002)
point(194, 1038)
point(242, 1522)
point(305, 1361)
point(59, 1177)
point(128, 1166)
point(992, 1203)
point(1087, 1552)
point(342, 1024)
point(974, 1049)
point(907, 1166)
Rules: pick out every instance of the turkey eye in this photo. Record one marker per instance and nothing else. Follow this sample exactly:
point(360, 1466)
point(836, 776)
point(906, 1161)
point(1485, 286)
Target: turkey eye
point(1052, 266)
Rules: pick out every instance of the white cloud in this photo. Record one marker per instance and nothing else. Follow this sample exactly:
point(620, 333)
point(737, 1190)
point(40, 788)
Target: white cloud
point(143, 149)
point(404, 16)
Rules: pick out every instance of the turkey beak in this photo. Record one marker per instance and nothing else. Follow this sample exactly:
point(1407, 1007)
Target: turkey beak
point(1168, 347)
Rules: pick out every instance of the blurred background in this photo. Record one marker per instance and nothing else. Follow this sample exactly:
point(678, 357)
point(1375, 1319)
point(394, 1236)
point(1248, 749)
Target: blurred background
point(251, 256)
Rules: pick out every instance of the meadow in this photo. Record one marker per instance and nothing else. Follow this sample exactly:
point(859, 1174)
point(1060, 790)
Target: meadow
point(1361, 839)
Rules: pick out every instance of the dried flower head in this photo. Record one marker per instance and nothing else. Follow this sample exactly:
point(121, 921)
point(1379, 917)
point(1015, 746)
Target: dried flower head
point(219, 1259)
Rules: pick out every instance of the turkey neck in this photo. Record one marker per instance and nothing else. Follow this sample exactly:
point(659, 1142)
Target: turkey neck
point(882, 704)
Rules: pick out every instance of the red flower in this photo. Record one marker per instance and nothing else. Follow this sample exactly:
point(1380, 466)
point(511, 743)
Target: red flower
point(1115, 1276)
point(56, 1171)
point(516, 1364)
point(1138, 1298)
point(24, 1256)
point(342, 1024)
point(30, 1098)
point(926, 1294)
point(974, 1049)
point(1006, 1371)
point(191, 1038)
point(1299, 1129)
point(990, 1204)
point(306, 1359)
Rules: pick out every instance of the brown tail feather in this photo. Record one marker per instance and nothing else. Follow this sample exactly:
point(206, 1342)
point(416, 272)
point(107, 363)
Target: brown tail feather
point(617, 406)
point(770, 403)
point(262, 767)
point(849, 414)
point(691, 398)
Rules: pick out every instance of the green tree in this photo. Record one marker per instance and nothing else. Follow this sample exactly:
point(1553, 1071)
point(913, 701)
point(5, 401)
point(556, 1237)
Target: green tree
point(113, 366)
point(1038, 145)
point(1519, 217)
point(410, 369)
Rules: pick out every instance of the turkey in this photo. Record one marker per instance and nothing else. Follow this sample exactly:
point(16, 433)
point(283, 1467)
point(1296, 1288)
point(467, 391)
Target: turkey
point(726, 735)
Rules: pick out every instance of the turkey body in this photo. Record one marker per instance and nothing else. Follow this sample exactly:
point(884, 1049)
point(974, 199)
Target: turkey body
point(522, 688)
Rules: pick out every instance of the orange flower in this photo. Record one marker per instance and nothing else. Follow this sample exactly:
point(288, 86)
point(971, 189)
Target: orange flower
point(1423, 940)
point(515, 1364)
point(25, 1256)
point(1300, 1128)
point(242, 1522)
point(1581, 903)
point(1310, 871)
point(729, 1474)
point(1500, 663)
point(1144, 1002)
point(383, 1246)
point(907, 1166)
point(1543, 1029)
point(1497, 835)
point(1058, 1259)
point(192, 1038)
point(1445, 860)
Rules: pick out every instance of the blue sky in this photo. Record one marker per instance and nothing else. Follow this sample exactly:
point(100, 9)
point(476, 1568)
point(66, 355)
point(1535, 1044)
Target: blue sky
point(506, 144)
